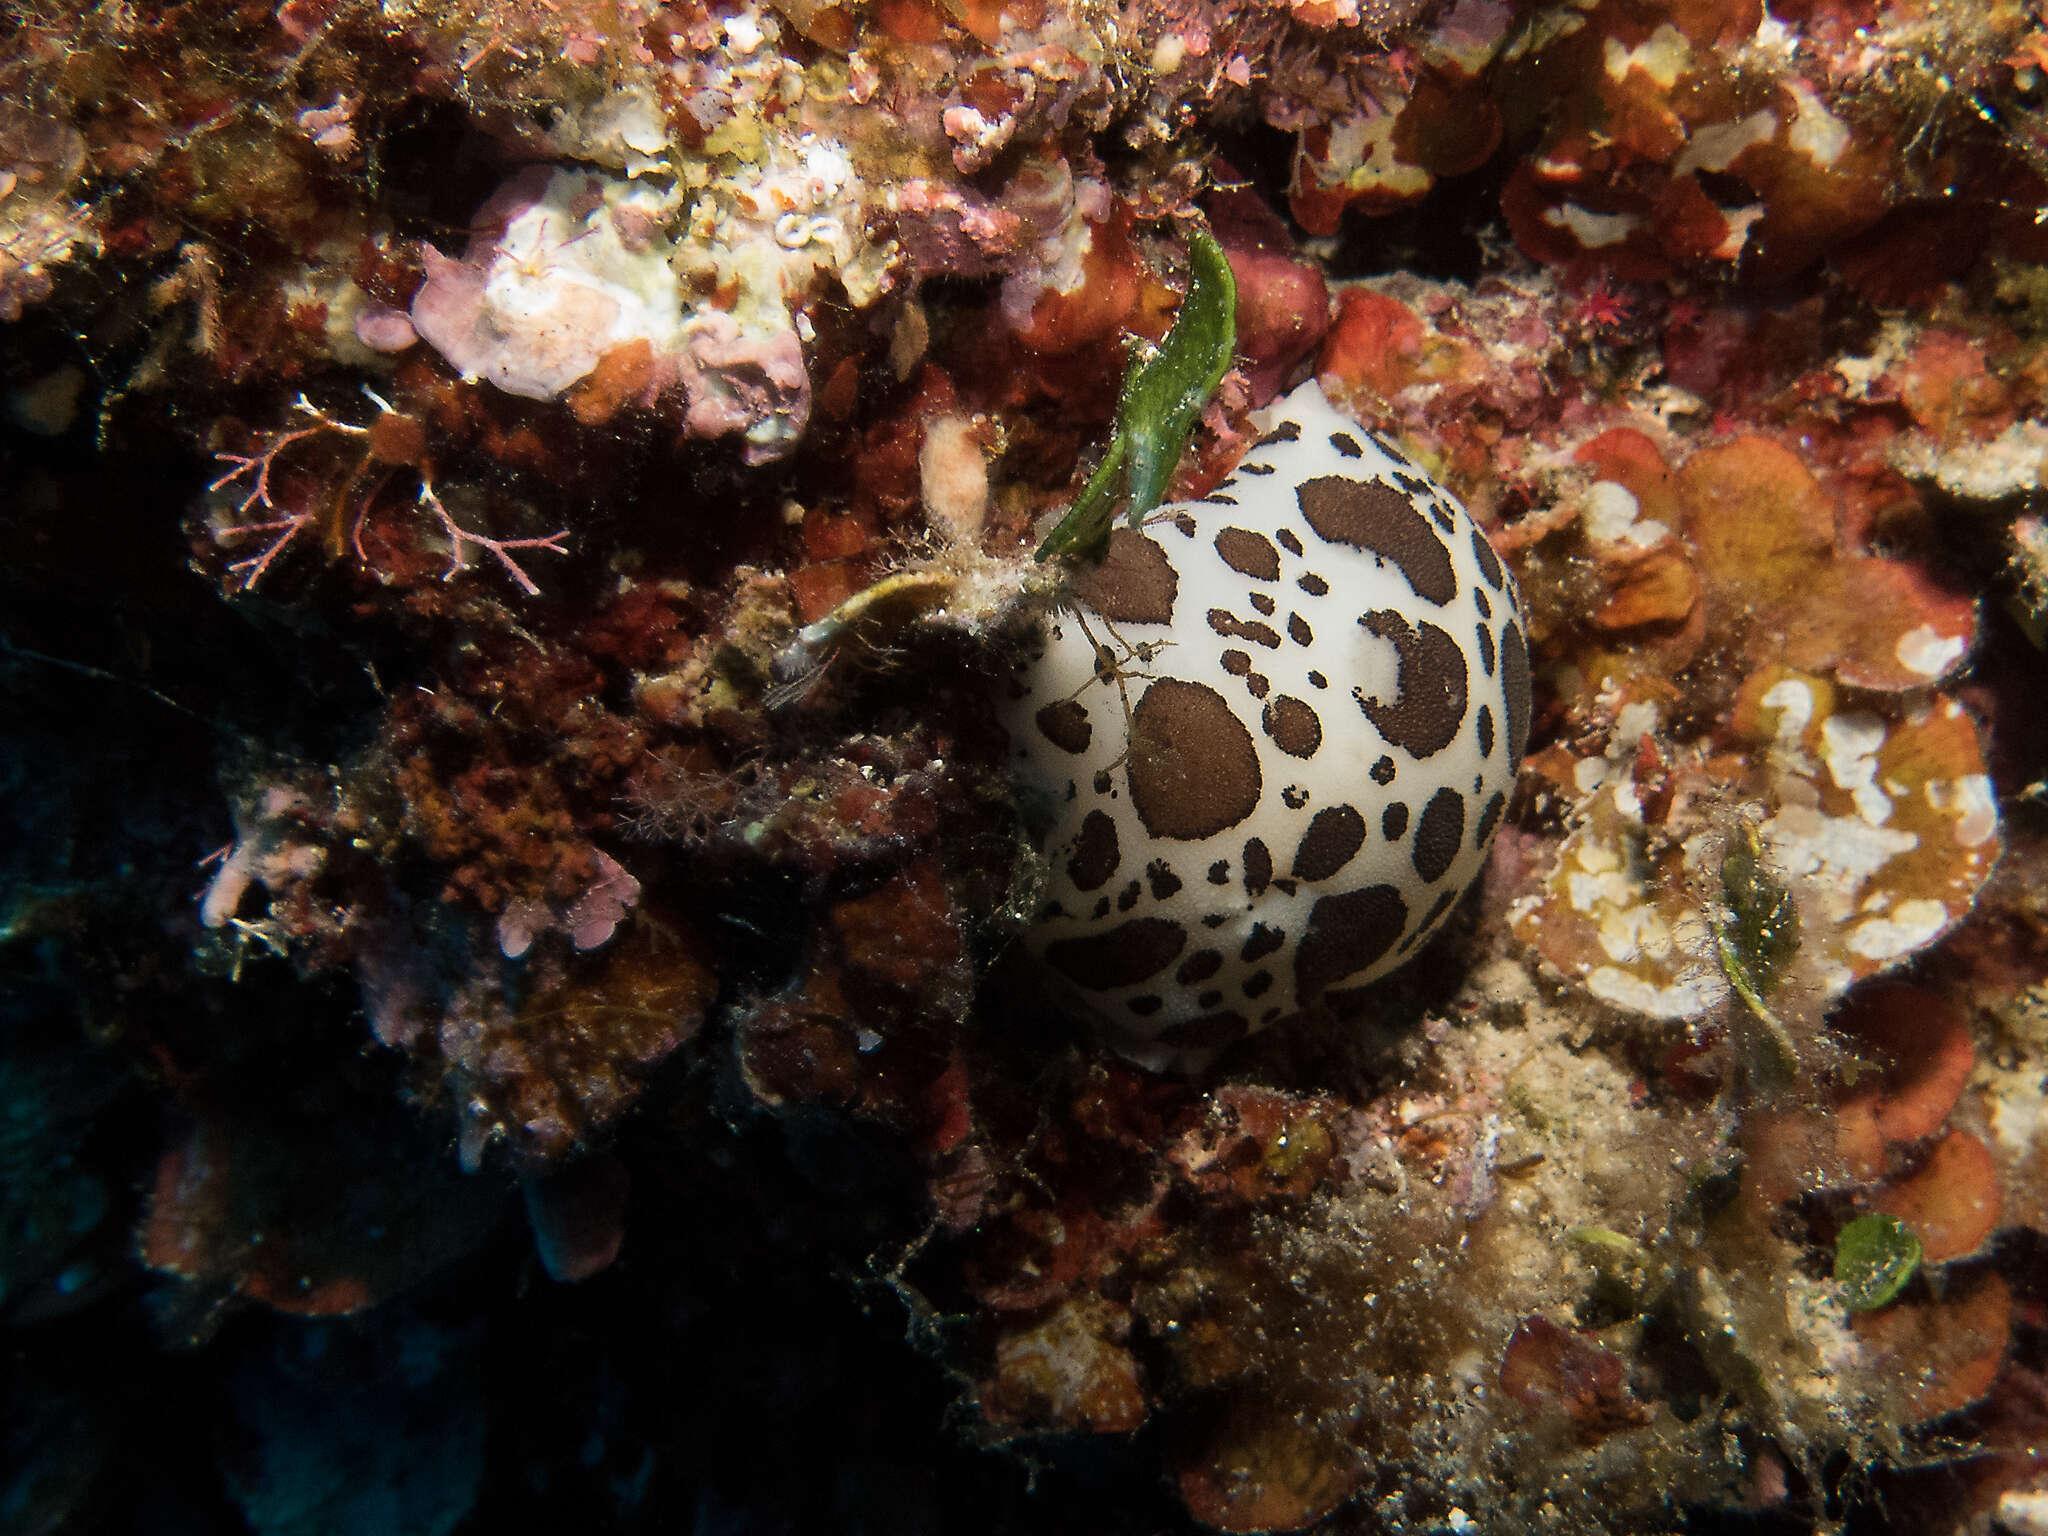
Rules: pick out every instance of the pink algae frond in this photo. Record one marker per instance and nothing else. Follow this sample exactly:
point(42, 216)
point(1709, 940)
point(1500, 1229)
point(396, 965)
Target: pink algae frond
point(254, 472)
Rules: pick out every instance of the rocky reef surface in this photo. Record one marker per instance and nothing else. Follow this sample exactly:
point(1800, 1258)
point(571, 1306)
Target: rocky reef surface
point(518, 518)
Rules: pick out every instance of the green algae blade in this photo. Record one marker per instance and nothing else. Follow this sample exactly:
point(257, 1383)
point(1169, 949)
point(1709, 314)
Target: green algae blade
point(1874, 1257)
point(1163, 393)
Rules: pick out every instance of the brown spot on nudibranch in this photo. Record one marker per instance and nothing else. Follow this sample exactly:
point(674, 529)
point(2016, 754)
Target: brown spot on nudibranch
point(1199, 967)
point(1263, 941)
point(1514, 677)
point(1231, 627)
point(1334, 835)
point(1120, 957)
point(1295, 727)
point(1439, 835)
point(1345, 935)
point(1194, 768)
point(1429, 707)
point(1065, 725)
point(1394, 821)
point(1134, 584)
point(1164, 881)
point(1250, 554)
point(1371, 515)
point(1095, 852)
point(1489, 562)
point(1258, 867)
point(1488, 819)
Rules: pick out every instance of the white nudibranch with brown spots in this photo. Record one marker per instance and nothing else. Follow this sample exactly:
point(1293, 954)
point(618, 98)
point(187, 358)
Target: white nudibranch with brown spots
point(1268, 741)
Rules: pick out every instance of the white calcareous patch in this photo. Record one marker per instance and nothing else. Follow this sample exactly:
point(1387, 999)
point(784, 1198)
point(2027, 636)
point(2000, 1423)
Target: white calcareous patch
point(1266, 747)
point(1926, 650)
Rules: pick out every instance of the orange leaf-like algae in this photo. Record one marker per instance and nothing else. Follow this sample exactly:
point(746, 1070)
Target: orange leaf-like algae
point(1921, 1040)
point(1942, 1354)
point(1765, 533)
point(1952, 1201)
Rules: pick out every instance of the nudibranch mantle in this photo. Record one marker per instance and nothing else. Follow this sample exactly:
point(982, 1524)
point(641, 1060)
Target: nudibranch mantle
point(1268, 740)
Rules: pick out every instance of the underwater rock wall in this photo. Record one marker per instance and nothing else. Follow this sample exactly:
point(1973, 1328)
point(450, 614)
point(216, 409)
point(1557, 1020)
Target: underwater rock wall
point(547, 494)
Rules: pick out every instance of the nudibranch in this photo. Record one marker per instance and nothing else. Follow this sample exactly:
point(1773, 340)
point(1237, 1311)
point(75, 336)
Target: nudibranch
point(1266, 742)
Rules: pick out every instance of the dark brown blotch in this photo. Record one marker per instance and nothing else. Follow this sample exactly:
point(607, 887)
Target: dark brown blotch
point(1134, 584)
point(1199, 967)
point(1429, 707)
point(1347, 445)
point(1298, 630)
point(1439, 834)
point(1121, 957)
point(1334, 836)
point(1258, 867)
point(1065, 725)
point(1394, 821)
point(1231, 627)
point(1434, 915)
point(1489, 562)
point(1489, 819)
point(1346, 934)
point(1514, 678)
point(1095, 852)
point(1264, 941)
point(1288, 540)
point(1371, 515)
point(1164, 881)
point(1295, 727)
point(1194, 768)
point(1249, 554)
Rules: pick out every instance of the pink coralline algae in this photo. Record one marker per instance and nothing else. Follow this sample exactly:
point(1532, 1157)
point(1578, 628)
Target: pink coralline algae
point(565, 271)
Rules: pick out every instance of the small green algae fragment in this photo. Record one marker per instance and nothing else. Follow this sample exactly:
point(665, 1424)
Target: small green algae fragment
point(1164, 391)
point(1756, 931)
point(1874, 1257)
